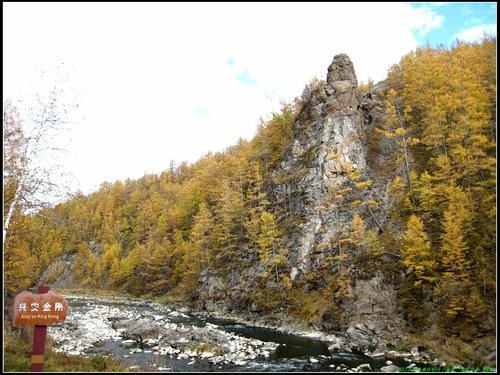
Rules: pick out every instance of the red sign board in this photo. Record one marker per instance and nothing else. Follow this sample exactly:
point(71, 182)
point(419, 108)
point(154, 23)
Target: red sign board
point(39, 309)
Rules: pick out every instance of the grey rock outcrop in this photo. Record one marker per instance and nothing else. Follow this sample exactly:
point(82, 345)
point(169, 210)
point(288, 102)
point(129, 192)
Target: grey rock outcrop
point(341, 69)
point(373, 310)
point(142, 329)
point(389, 368)
point(327, 137)
point(335, 131)
point(60, 273)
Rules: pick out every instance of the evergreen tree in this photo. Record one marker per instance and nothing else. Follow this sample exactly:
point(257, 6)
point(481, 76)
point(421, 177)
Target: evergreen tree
point(417, 256)
point(201, 235)
point(455, 266)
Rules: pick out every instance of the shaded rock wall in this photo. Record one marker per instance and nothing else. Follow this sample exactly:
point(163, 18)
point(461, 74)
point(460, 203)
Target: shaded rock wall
point(327, 135)
point(335, 128)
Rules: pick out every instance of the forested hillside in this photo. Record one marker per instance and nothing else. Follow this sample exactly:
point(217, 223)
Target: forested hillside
point(415, 215)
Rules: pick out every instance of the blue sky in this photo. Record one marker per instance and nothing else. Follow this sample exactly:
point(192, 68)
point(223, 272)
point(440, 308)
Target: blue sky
point(458, 20)
point(170, 81)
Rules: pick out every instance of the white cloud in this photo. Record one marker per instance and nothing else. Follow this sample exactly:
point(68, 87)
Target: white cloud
point(161, 79)
point(476, 33)
point(425, 20)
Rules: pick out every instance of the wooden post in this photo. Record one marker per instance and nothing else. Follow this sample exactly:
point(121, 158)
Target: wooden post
point(39, 310)
point(39, 341)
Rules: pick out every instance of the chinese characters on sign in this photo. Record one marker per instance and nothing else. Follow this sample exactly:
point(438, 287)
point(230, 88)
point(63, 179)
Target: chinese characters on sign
point(39, 309)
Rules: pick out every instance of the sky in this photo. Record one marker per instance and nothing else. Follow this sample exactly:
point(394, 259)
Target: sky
point(164, 81)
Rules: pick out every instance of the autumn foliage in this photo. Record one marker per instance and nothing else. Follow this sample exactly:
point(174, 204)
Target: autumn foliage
point(161, 234)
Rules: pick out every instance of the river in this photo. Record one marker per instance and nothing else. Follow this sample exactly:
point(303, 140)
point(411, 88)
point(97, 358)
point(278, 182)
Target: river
point(149, 336)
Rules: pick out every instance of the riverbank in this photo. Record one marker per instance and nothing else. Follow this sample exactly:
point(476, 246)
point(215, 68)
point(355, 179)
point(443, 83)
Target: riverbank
point(336, 341)
point(18, 346)
point(415, 352)
point(423, 352)
point(209, 341)
point(148, 336)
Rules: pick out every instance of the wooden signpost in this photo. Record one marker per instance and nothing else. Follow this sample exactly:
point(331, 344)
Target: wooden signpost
point(39, 310)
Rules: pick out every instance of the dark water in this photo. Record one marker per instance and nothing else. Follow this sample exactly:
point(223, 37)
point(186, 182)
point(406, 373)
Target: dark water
point(297, 353)
point(293, 354)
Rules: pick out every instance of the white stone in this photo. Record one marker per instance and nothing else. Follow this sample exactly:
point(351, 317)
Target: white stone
point(376, 354)
point(207, 355)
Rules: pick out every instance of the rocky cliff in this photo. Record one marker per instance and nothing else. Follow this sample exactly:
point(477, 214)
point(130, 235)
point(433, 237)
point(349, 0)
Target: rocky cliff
point(330, 124)
point(334, 137)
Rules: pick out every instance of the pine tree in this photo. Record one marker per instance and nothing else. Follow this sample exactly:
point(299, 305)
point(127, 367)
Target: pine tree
point(256, 203)
point(271, 253)
point(456, 283)
point(395, 128)
point(111, 253)
point(454, 248)
point(229, 221)
point(417, 256)
point(352, 188)
point(84, 267)
point(161, 268)
point(20, 265)
point(358, 232)
point(201, 235)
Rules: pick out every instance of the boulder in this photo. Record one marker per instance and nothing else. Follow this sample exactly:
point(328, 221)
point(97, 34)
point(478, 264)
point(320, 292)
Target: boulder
point(389, 368)
point(141, 329)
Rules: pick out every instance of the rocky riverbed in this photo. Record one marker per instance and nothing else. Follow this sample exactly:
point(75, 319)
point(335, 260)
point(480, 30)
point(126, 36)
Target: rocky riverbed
point(150, 336)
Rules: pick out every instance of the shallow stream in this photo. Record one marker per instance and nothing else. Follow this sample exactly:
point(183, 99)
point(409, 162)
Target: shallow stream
point(90, 329)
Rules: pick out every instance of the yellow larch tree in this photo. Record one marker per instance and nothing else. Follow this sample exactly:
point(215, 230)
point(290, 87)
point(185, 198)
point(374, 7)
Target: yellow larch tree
point(417, 256)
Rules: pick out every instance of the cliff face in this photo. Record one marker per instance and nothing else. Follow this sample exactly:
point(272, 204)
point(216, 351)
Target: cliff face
point(333, 135)
point(327, 135)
